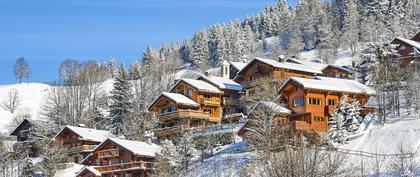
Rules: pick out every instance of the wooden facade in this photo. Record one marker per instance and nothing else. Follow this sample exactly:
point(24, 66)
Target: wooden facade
point(112, 158)
point(312, 108)
point(79, 147)
point(257, 72)
point(336, 72)
point(29, 133)
point(230, 100)
point(406, 50)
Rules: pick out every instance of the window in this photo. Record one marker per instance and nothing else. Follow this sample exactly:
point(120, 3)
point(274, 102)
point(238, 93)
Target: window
point(315, 101)
point(190, 92)
point(319, 119)
point(173, 109)
point(207, 96)
point(124, 161)
point(332, 102)
point(337, 75)
point(164, 110)
point(298, 102)
point(226, 70)
point(207, 111)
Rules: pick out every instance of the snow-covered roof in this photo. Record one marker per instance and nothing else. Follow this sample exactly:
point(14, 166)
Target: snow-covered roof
point(410, 42)
point(201, 85)
point(318, 66)
point(43, 127)
point(89, 134)
point(179, 99)
point(332, 84)
point(91, 169)
point(272, 105)
point(223, 83)
point(138, 147)
point(238, 65)
point(289, 65)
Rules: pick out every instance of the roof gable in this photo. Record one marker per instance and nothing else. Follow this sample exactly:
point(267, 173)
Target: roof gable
point(330, 84)
point(222, 83)
point(88, 134)
point(176, 98)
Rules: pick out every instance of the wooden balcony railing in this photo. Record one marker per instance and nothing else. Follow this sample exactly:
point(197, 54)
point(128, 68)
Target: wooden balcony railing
point(183, 114)
point(295, 125)
point(252, 83)
point(124, 167)
point(231, 101)
point(215, 101)
point(83, 148)
point(107, 153)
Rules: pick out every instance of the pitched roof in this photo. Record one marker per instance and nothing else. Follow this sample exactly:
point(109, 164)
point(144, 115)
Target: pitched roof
point(90, 169)
point(179, 99)
point(223, 83)
point(331, 84)
point(201, 85)
point(273, 107)
point(318, 66)
point(409, 42)
point(43, 126)
point(89, 134)
point(137, 147)
point(238, 65)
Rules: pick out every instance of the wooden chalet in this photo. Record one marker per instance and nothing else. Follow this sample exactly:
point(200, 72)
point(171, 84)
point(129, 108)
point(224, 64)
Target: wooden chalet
point(118, 157)
point(327, 70)
point(230, 100)
point(235, 67)
point(280, 116)
point(29, 133)
point(81, 141)
point(265, 70)
point(313, 101)
point(408, 50)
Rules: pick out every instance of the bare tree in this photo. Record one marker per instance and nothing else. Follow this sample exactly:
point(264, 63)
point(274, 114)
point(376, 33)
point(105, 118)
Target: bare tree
point(22, 69)
point(77, 100)
point(404, 164)
point(53, 156)
point(12, 101)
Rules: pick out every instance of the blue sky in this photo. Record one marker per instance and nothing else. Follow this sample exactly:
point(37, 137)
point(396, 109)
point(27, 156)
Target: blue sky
point(46, 32)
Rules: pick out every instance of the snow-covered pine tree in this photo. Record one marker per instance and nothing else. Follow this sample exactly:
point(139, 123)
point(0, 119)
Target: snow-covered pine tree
point(350, 27)
point(247, 42)
point(200, 52)
point(353, 117)
point(27, 168)
point(233, 38)
point(121, 100)
point(325, 46)
point(217, 44)
point(337, 130)
point(149, 56)
point(134, 71)
point(111, 67)
point(167, 161)
point(186, 150)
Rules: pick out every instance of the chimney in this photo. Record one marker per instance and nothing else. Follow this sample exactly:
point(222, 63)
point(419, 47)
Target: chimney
point(281, 58)
point(81, 125)
point(207, 73)
point(148, 137)
point(225, 70)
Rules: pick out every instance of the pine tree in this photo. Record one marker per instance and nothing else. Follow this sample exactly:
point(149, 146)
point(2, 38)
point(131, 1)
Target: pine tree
point(246, 43)
point(217, 44)
point(149, 56)
point(167, 161)
point(121, 102)
point(200, 52)
point(186, 150)
point(134, 71)
point(350, 28)
point(112, 67)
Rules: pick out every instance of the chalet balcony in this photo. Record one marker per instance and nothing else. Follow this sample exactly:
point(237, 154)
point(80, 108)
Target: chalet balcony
point(210, 101)
point(193, 114)
point(124, 167)
point(295, 126)
point(262, 79)
point(107, 153)
point(83, 148)
point(168, 131)
point(230, 101)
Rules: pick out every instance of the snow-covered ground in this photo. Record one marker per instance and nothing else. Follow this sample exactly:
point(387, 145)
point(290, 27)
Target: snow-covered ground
point(30, 100)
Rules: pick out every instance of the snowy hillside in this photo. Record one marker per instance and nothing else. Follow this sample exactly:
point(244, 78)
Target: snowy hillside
point(30, 100)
